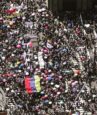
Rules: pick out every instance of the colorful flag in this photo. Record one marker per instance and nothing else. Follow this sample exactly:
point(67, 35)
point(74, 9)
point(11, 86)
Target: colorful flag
point(37, 83)
point(32, 84)
point(27, 85)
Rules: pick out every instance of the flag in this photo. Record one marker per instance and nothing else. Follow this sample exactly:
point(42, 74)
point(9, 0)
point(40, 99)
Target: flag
point(37, 83)
point(27, 85)
point(32, 85)
point(81, 19)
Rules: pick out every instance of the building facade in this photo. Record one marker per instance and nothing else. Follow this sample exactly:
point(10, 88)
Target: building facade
point(58, 6)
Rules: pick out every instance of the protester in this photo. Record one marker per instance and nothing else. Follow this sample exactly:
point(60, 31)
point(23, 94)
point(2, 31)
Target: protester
point(52, 75)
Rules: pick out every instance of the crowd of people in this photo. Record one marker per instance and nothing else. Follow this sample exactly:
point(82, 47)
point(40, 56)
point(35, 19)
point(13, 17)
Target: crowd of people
point(35, 42)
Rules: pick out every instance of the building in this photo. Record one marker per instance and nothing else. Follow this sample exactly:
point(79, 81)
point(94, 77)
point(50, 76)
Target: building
point(58, 6)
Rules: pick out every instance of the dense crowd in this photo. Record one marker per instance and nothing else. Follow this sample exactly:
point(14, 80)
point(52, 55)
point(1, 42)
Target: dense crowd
point(68, 59)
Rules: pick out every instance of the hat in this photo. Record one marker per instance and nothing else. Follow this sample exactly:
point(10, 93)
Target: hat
point(19, 71)
point(33, 14)
point(46, 101)
point(57, 86)
point(27, 73)
point(47, 15)
point(61, 102)
point(46, 96)
point(21, 38)
point(42, 93)
point(41, 77)
point(3, 58)
point(89, 100)
point(42, 83)
point(4, 50)
point(12, 91)
point(8, 26)
point(18, 93)
point(14, 75)
point(11, 23)
point(19, 42)
point(52, 74)
point(28, 68)
point(7, 89)
point(66, 91)
point(36, 63)
point(54, 88)
point(6, 41)
point(49, 70)
point(18, 46)
point(67, 110)
point(51, 95)
point(58, 93)
point(35, 57)
point(1, 18)
point(60, 76)
point(18, 17)
point(83, 91)
point(12, 55)
point(23, 17)
point(50, 102)
point(45, 57)
point(94, 95)
point(36, 69)
point(52, 83)
point(64, 63)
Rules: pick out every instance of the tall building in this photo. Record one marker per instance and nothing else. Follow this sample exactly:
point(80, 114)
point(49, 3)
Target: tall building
point(58, 6)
